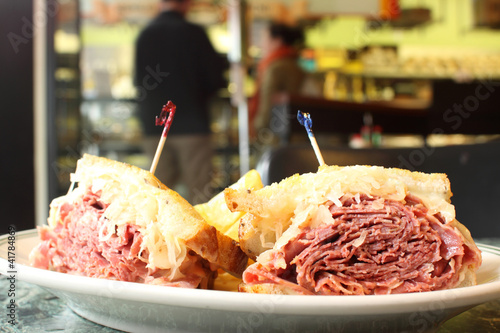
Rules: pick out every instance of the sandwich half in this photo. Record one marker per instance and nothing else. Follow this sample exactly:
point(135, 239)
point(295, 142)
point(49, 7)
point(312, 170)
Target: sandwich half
point(121, 223)
point(357, 230)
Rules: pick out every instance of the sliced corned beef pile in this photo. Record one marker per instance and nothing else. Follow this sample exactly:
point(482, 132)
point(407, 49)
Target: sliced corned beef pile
point(81, 244)
point(374, 246)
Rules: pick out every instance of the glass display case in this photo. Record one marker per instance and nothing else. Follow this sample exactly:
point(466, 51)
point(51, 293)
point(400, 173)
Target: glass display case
point(91, 105)
point(63, 95)
point(108, 30)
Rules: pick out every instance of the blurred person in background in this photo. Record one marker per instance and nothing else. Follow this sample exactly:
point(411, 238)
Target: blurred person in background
point(174, 60)
point(278, 72)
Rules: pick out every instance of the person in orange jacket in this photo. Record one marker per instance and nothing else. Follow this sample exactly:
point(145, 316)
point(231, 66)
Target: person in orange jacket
point(277, 73)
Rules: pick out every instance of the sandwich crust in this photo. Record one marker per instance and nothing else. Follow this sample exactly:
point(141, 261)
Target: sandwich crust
point(90, 166)
point(266, 288)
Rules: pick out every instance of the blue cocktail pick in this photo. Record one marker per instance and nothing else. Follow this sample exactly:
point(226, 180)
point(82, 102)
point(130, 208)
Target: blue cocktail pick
point(306, 121)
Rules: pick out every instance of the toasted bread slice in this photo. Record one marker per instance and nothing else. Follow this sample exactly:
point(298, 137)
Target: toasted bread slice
point(169, 225)
point(216, 213)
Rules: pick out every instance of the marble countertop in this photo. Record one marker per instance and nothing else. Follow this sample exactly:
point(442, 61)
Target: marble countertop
point(40, 311)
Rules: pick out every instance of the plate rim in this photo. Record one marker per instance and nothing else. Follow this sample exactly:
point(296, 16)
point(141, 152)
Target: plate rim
point(283, 304)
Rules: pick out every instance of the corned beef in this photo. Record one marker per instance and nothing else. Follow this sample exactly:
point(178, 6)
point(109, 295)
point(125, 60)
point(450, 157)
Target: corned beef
point(81, 245)
point(374, 246)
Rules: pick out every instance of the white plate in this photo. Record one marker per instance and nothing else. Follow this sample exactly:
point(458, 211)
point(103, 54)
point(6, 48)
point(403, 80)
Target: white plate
point(145, 308)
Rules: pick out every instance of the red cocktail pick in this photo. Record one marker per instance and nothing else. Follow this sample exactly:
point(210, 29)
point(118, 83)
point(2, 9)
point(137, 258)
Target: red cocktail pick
point(167, 110)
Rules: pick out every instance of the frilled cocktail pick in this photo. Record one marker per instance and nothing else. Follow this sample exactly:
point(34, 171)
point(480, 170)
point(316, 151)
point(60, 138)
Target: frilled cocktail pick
point(306, 121)
point(166, 117)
